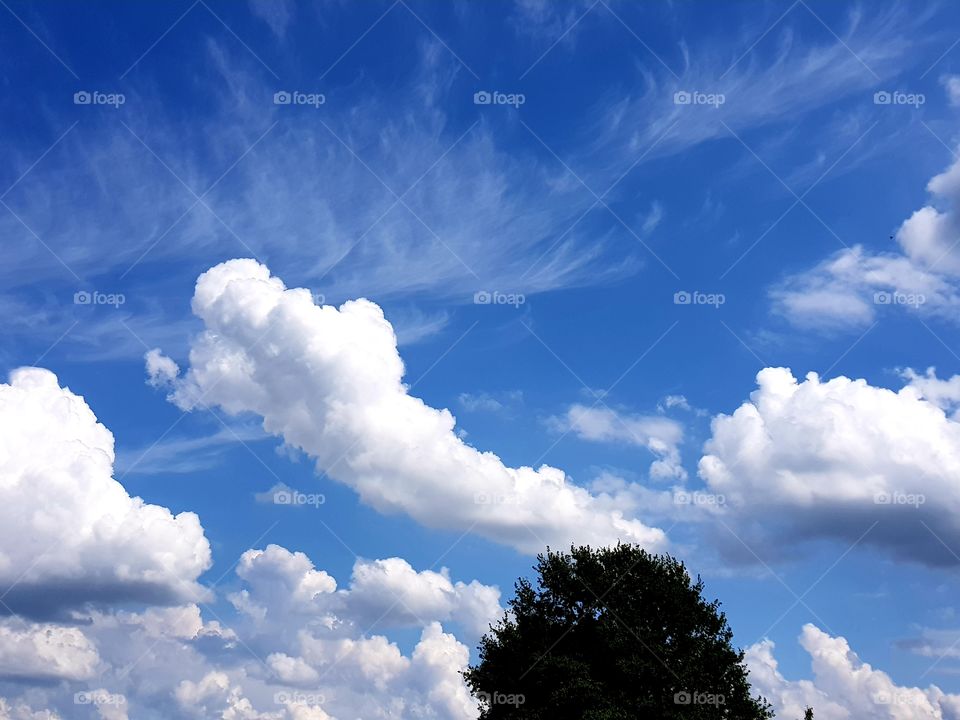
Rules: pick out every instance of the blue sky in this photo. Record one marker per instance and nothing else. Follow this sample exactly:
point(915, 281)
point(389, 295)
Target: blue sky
point(788, 168)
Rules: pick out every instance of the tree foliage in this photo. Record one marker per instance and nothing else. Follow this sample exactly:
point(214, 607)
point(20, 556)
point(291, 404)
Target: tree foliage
point(612, 634)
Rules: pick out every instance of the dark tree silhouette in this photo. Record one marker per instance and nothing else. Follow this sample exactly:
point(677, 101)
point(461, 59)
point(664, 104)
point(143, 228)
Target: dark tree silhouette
point(808, 714)
point(612, 634)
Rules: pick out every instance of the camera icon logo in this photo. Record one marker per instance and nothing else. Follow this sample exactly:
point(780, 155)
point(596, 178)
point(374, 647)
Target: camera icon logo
point(681, 97)
point(482, 97)
point(481, 297)
point(882, 298)
point(882, 97)
point(82, 98)
point(282, 98)
point(82, 297)
point(682, 698)
point(681, 298)
point(283, 497)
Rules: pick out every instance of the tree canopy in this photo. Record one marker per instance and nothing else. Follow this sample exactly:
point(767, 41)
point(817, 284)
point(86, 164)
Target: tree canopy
point(612, 634)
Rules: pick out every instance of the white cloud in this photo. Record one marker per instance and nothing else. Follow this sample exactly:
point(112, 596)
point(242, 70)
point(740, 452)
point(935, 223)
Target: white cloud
point(393, 591)
point(945, 394)
point(930, 235)
point(828, 459)
point(658, 434)
point(22, 711)
point(679, 401)
point(161, 370)
point(185, 454)
point(387, 592)
point(849, 288)
point(284, 581)
point(45, 652)
point(70, 533)
point(653, 219)
point(300, 649)
point(301, 197)
point(482, 401)
point(951, 84)
point(194, 694)
point(413, 326)
point(319, 637)
point(330, 382)
point(780, 79)
point(489, 402)
point(292, 671)
point(843, 686)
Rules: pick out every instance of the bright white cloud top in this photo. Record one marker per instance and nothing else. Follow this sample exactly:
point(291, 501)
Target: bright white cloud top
point(70, 534)
point(817, 458)
point(329, 381)
point(844, 687)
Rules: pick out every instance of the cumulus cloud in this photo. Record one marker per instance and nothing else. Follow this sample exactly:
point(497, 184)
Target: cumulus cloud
point(70, 533)
point(319, 637)
point(658, 434)
point(388, 592)
point(814, 458)
point(843, 686)
point(21, 711)
point(851, 287)
point(393, 590)
point(45, 652)
point(300, 648)
point(329, 381)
